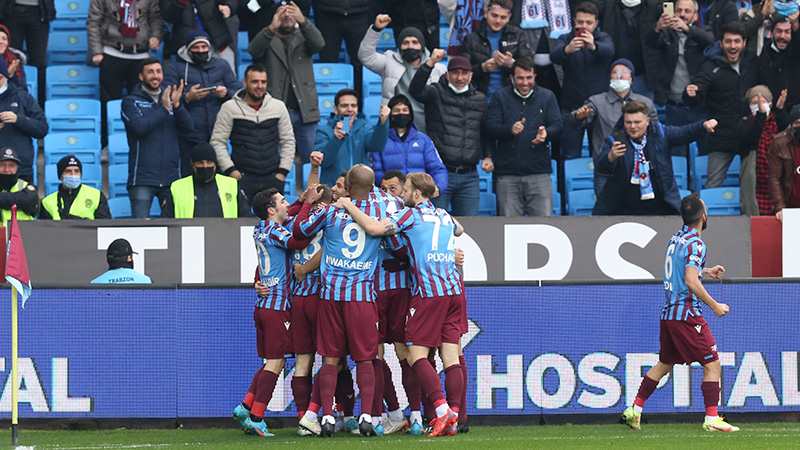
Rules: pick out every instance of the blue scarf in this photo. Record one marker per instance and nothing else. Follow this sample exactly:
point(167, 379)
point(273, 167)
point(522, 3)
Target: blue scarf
point(641, 171)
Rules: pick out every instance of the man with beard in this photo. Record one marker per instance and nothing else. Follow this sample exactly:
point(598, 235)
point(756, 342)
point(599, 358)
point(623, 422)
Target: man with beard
point(153, 117)
point(285, 47)
point(397, 69)
point(722, 80)
point(779, 63)
point(205, 193)
point(260, 132)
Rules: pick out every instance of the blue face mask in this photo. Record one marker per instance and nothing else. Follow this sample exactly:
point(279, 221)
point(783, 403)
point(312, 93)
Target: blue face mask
point(71, 181)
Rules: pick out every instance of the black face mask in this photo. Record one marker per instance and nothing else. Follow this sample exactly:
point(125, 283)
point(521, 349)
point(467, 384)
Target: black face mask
point(7, 181)
point(410, 54)
point(205, 173)
point(199, 58)
point(400, 120)
point(796, 133)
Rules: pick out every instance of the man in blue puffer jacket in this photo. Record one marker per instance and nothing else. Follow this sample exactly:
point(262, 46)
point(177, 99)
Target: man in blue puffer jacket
point(347, 138)
point(208, 83)
point(408, 149)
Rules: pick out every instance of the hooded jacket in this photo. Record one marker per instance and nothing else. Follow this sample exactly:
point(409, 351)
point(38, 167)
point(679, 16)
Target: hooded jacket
point(31, 123)
point(415, 153)
point(262, 140)
point(360, 141)
point(153, 138)
point(722, 89)
point(657, 152)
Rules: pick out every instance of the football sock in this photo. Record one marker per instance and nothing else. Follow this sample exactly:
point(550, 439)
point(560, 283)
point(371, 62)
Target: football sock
point(442, 409)
point(266, 385)
point(416, 417)
point(646, 389)
point(251, 392)
point(365, 377)
point(454, 386)
point(427, 405)
point(311, 415)
point(389, 391)
point(462, 413)
point(710, 391)
point(316, 400)
point(396, 415)
point(411, 386)
point(345, 395)
point(301, 390)
point(429, 380)
point(327, 386)
point(377, 399)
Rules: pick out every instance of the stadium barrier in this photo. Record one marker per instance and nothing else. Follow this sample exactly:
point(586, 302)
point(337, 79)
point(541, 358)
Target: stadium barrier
point(181, 351)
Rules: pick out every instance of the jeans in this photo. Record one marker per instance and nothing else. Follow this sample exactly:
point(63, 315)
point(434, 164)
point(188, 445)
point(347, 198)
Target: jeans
point(521, 194)
point(142, 199)
point(462, 194)
point(304, 135)
point(718, 163)
point(334, 28)
point(681, 115)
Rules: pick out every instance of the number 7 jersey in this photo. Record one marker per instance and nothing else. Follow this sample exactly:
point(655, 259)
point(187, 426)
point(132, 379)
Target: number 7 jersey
point(429, 233)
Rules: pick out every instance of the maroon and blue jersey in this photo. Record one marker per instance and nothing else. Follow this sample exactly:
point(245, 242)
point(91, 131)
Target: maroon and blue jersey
point(429, 234)
point(349, 254)
point(685, 249)
point(310, 284)
point(271, 240)
point(384, 280)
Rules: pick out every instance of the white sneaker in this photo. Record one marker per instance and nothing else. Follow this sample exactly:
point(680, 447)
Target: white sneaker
point(390, 426)
point(311, 427)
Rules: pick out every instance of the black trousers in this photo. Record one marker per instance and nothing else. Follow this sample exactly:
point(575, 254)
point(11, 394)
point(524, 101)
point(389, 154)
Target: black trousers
point(117, 74)
point(26, 25)
point(334, 28)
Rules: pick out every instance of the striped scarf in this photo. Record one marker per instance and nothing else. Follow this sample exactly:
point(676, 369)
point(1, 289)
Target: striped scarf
point(127, 13)
point(641, 171)
point(763, 196)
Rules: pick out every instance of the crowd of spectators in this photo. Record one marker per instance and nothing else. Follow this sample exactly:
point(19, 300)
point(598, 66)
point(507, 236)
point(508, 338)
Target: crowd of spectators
point(520, 86)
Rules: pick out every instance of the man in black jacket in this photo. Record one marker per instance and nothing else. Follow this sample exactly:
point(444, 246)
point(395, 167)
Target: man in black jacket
point(728, 71)
point(20, 120)
point(681, 43)
point(523, 118)
point(208, 15)
point(494, 46)
point(779, 62)
point(454, 112)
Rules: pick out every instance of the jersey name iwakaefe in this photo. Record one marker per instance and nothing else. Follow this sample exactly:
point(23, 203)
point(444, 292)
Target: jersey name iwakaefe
point(685, 249)
point(273, 259)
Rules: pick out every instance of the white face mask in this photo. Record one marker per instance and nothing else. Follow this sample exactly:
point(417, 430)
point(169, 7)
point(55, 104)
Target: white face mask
point(4, 88)
point(754, 108)
point(456, 90)
point(631, 3)
point(620, 85)
point(520, 94)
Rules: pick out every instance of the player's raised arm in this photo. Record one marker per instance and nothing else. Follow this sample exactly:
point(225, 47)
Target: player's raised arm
point(374, 228)
point(696, 286)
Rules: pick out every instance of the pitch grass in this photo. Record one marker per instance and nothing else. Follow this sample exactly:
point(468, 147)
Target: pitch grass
point(656, 436)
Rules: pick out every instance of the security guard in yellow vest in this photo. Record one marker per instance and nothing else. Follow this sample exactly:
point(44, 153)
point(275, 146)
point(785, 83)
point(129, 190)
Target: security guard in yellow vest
point(205, 193)
point(74, 200)
point(14, 190)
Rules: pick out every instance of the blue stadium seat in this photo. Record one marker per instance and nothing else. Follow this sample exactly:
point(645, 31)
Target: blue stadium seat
point(73, 115)
point(91, 175)
point(681, 172)
point(330, 78)
point(118, 180)
point(372, 83)
point(120, 207)
point(484, 180)
point(306, 173)
point(70, 15)
point(444, 36)
point(290, 188)
point(114, 121)
point(86, 146)
point(118, 149)
point(578, 174)
point(554, 176)
point(32, 80)
point(488, 204)
point(372, 109)
point(72, 81)
point(684, 192)
point(700, 174)
point(556, 204)
point(325, 107)
point(242, 41)
point(67, 47)
point(586, 152)
point(386, 41)
point(581, 202)
point(240, 72)
point(722, 201)
point(291, 198)
point(443, 23)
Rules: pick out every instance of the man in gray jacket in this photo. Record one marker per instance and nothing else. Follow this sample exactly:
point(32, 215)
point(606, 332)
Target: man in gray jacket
point(118, 43)
point(285, 47)
point(260, 131)
point(397, 69)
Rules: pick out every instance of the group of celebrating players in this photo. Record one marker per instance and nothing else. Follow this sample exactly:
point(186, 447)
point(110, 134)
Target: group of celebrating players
point(342, 271)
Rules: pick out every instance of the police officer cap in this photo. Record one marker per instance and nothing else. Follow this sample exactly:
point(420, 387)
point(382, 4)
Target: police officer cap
point(203, 152)
point(67, 161)
point(119, 249)
point(8, 154)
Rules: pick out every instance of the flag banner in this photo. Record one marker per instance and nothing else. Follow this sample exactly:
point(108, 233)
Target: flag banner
point(16, 262)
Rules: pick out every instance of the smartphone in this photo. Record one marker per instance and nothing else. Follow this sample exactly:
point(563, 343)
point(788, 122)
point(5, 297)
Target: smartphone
point(210, 88)
point(345, 124)
point(619, 136)
point(669, 8)
point(579, 31)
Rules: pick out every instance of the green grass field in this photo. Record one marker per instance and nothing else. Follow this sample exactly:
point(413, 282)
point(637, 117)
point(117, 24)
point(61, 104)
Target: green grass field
point(656, 436)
